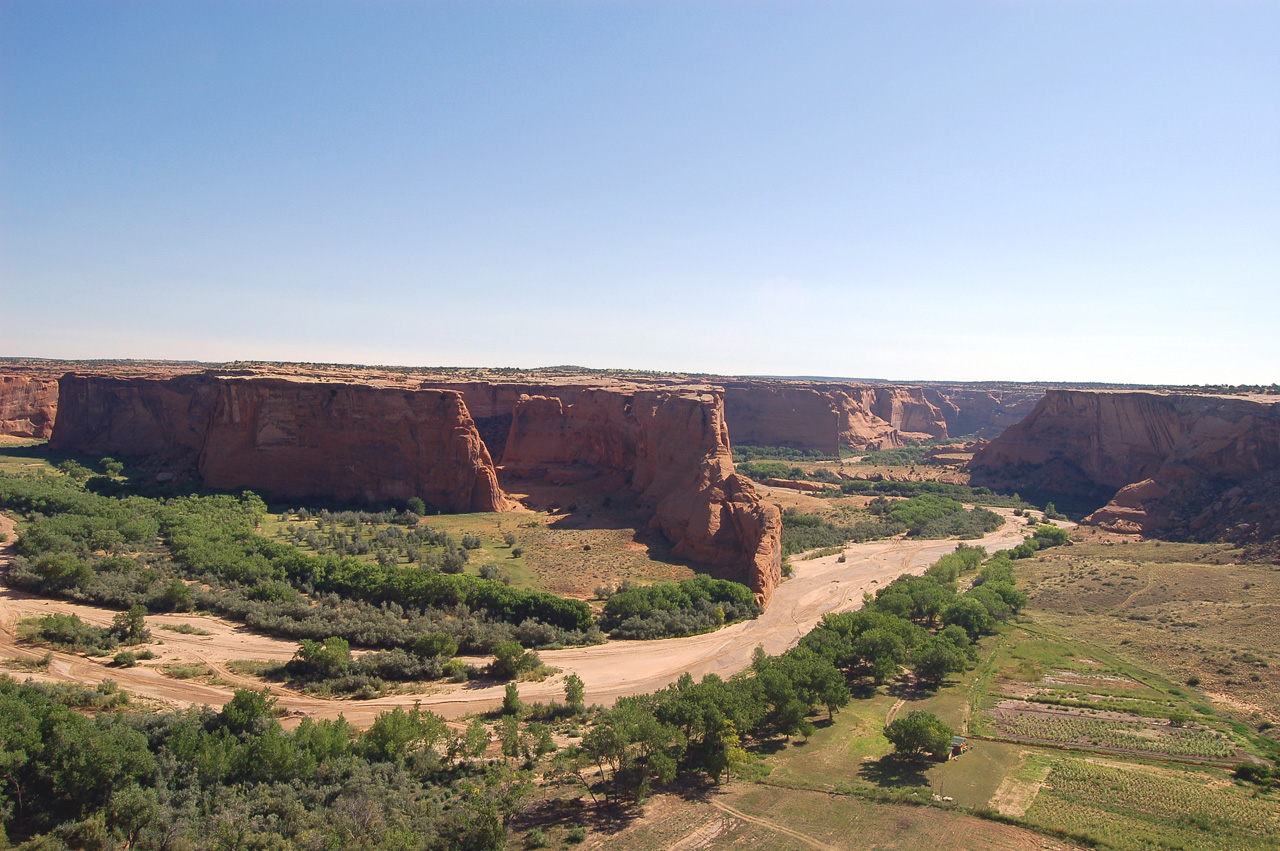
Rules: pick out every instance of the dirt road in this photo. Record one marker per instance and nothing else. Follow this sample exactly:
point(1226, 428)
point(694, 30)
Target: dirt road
point(609, 671)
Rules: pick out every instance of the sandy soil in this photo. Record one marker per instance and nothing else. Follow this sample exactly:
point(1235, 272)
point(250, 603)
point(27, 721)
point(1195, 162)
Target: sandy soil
point(610, 670)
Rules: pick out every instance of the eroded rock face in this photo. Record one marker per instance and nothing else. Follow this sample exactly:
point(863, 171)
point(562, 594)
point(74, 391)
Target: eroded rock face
point(293, 439)
point(133, 416)
point(981, 412)
point(1149, 462)
point(672, 447)
point(827, 416)
point(28, 405)
point(492, 405)
point(350, 442)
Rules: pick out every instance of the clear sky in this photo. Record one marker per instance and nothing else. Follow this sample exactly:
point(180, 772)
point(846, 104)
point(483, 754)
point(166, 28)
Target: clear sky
point(1075, 191)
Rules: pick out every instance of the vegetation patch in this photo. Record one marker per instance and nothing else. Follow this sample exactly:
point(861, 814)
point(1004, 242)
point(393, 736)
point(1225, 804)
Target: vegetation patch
point(671, 609)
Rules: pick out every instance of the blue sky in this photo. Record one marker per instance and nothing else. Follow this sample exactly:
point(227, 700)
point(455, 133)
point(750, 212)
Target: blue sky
point(1084, 191)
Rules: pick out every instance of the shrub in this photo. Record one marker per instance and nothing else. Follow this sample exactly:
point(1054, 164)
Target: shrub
point(511, 700)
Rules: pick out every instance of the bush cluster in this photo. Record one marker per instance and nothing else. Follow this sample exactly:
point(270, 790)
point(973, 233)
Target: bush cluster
point(670, 609)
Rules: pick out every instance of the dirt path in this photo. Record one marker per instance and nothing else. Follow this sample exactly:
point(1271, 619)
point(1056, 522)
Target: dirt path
point(701, 836)
point(774, 826)
point(610, 670)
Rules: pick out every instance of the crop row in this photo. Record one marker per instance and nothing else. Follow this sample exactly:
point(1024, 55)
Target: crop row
point(1082, 793)
point(1114, 735)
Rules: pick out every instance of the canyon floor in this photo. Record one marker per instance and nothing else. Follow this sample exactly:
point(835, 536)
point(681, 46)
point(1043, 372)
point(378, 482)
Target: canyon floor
point(610, 670)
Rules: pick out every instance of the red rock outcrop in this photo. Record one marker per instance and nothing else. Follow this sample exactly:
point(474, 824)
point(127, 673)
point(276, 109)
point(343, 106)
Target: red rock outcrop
point(100, 414)
point(673, 446)
point(27, 405)
point(294, 439)
point(350, 442)
point(1161, 463)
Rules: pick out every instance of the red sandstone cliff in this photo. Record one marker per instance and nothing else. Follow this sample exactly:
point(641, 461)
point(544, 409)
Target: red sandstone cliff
point(673, 445)
point(27, 405)
point(777, 412)
point(1162, 463)
point(350, 442)
point(294, 439)
point(133, 416)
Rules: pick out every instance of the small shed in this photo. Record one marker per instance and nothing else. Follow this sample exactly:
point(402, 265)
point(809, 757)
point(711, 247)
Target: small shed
point(958, 746)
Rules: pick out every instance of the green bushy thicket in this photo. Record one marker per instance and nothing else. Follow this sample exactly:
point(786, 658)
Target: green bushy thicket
point(128, 550)
point(925, 516)
point(234, 778)
point(669, 609)
point(742, 454)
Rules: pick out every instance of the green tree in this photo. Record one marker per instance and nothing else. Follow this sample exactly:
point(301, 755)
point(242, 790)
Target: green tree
point(436, 645)
point(880, 652)
point(509, 659)
point(131, 627)
point(919, 733)
point(324, 660)
point(971, 615)
point(511, 704)
point(248, 711)
point(934, 659)
point(574, 693)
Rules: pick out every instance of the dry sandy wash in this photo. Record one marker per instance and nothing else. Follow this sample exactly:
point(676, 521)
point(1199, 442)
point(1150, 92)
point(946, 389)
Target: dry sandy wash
point(610, 670)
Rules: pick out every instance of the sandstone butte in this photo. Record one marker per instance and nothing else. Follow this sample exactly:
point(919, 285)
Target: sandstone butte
point(377, 441)
point(1177, 464)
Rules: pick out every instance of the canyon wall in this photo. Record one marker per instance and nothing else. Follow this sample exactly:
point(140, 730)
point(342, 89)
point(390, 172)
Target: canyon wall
point(349, 442)
point(293, 439)
point(671, 447)
point(102, 415)
point(979, 411)
point(822, 416)
point(27, 405)
point(825, 417)
point(1177, 464)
